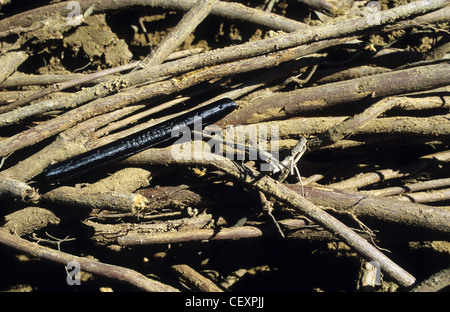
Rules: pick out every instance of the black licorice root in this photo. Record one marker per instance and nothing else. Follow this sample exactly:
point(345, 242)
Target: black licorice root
point(137, 142)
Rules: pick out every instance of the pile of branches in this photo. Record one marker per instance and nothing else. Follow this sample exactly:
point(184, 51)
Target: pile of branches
point(360, 108)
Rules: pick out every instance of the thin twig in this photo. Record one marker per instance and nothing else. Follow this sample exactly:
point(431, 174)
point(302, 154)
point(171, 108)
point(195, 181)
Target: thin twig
point(178, 35)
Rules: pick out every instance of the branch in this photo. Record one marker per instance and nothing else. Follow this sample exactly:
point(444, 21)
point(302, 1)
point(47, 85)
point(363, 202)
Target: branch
point(288, 104)
point(86, 264)
point(10, 62)
point(436, 282)
point(178, 35)
point(100, 106)
point(227, 10)
point(291, 198)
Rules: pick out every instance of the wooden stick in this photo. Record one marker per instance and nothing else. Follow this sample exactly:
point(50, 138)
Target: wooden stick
point(293, 103)
point(178, 35)
point(195, 279)
point(86, 264)
point(436, 282)
point(13, 188)
point(176, 84)
point(426, 197)
point(369, 178)
point(10, 62)
point(224, 9)
point(280, 192)
point(345, 28)
point(105, 200)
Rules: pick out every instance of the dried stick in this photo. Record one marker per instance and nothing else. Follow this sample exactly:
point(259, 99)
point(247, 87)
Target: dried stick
point(345, 28)
point(105, 234)
point(426, 197)
point(436, 282)
point(238, 232)
point(66, 84)
point(224, 9)
point(292, 103)
point(175, 38)
point(19, 190)
point(382, 209)
point(124, 98)
point(64, 81)
point(424, 21)
point(178, 35)
point(369, 178)
point(104, 200)
point(280, 192)
point(295, 128)
point(341, 130)
point(88, 265)
point(194, 279)
point(188, 230)
point(10, 62)
point(334, 75)
point(409, 188)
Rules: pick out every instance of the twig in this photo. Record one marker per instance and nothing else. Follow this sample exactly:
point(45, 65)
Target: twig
point(285, 104)
point(10, 62)
point(320, 5)
point(178, 35)
point(280, 192)
point(346, 128)
point(334, 75)
point(409, 188)
point(65, 85)
point(369, 178)
point(18, 190)
point(194, 279)
point(426, 197)
point(433, 127)
point(436, 282)
point(70, 80)
point(424, 21)
point(361, 205)
point(122, 99)
point(224, 9)
point(88, 265)
point(382, 209)
point(111, 200)
point(238, 232)
point(267, 207)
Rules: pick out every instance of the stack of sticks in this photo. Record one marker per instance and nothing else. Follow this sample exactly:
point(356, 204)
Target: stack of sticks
point(325, 86)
